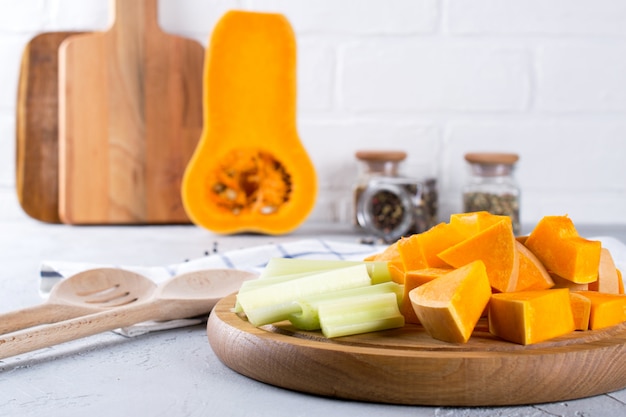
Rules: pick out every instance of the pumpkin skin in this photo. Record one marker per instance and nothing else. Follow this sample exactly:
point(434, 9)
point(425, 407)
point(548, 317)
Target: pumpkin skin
point(250, 171)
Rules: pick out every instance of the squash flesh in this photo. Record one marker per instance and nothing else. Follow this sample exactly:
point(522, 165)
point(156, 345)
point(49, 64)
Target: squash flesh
point(441, 305)
point(581, 309)
point(532, 274)
point(528, 317)
point(495, 246)
point(412, 280)
point(558, 246)
point(606, 309)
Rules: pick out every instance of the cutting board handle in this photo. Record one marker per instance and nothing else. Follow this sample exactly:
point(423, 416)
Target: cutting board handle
point(133, 16)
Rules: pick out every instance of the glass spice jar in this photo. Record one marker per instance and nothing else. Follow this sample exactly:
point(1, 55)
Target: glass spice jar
point(387, 204)
point(491, 186)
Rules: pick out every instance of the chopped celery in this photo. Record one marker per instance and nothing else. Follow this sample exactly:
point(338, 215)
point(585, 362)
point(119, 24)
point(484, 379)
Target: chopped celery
point(288, 266)
point(378, 270)
point(360, 314)
point(268, 304)
point(308, 318)
point(257, 283)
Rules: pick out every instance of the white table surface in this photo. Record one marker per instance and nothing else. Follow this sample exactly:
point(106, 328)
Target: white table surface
point(172, 373)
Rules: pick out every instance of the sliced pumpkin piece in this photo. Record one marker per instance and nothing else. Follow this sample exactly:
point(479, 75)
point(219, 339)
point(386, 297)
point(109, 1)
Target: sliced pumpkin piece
point(495, 246)
point(555, 241)
point(437, 239)
point(532, 274)
point(413, 279)
point(581, 309)
point(442, 306)
point(412, 253)
point(608, 278)
point(606, 309)
point(528, 317)
point(560, 282)
point(469, 224)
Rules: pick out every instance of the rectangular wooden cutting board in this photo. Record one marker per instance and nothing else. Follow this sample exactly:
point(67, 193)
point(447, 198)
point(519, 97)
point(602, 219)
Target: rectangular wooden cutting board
point(37, 151)
point(130, 116)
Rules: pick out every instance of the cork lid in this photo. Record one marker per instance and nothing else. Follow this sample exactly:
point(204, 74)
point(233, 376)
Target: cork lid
point(381, 156)
point(488, 158)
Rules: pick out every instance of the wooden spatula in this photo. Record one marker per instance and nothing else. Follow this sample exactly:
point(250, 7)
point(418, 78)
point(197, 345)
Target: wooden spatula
point(130, 116)
point(36, 162)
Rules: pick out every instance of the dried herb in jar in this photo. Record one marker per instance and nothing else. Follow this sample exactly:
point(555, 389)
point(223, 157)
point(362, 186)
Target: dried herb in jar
point(492, 187)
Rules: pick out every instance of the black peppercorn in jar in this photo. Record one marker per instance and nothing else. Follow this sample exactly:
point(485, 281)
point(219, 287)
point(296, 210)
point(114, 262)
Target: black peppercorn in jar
point(491, 186)
point(388, 204)
point(374, 165)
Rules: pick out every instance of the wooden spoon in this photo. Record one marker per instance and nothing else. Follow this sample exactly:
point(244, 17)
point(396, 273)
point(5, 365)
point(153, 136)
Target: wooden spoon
point(85, 293)
point(188, 295)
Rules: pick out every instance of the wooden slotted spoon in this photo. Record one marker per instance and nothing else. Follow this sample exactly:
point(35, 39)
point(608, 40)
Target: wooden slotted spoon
point(183, 296)
point(81, 294)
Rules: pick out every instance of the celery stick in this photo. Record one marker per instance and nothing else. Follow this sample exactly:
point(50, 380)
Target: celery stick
point(257, 302)
point(360, 314)
point(288, 266)
point(308, 317)
point(378, 270)
point(257, 283)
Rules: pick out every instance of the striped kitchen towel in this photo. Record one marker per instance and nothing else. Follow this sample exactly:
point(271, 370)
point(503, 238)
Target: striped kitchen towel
point(251, 259)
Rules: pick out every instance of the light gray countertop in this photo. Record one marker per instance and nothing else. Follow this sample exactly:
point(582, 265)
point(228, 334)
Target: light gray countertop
point(173, 373)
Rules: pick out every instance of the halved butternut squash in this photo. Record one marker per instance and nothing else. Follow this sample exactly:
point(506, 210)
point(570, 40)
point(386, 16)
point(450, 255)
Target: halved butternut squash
point(250, 171)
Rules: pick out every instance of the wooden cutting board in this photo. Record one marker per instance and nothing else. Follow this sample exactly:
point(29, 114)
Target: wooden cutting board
point(130, 116)
point(407, 366)
point(36, 164)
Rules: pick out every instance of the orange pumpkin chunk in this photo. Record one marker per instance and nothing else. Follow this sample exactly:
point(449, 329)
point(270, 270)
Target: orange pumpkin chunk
point(442, 306)
point(608, 278)
point(469, 224)
point(606, 309)
point(528, 317)
point(562, 251)
point(532, 274)
point(412, 253)
point(413, 279)
point(435, 240)
point(495, 246)
point(560, 282)
point(581, 309)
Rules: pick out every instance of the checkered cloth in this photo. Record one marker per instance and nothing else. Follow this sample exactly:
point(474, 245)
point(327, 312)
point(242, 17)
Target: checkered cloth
point(252, 259)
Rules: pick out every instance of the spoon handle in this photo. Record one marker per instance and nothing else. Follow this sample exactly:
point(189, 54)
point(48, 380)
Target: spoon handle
point(40, 337)
point(42, 314)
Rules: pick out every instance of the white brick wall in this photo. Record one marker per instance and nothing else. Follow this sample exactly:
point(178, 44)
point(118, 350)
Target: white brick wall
point(438, 78)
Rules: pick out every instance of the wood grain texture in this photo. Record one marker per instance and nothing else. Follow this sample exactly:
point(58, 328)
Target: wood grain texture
point(407, 366)
point(130, 118)
point(37, 127)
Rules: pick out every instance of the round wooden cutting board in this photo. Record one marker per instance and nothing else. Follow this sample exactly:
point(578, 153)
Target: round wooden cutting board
point(407, 366)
